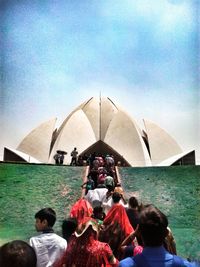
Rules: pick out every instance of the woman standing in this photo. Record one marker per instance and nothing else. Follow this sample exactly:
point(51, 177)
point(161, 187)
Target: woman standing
point(84, 250)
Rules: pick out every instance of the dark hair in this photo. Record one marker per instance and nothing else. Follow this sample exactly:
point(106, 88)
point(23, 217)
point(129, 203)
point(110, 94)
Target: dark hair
point(17, 253)
point(110, 187)
point(47, 214)
point(98, 213)
point(69, 226)
point(116, 196)
point(133, 202)
point(153, 226)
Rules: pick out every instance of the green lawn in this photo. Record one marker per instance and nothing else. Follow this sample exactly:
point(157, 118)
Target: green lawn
point(26, 188)
point(176, 191)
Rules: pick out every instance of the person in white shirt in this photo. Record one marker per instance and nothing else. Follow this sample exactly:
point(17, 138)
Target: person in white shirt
point(49, 247)
point(98, 193)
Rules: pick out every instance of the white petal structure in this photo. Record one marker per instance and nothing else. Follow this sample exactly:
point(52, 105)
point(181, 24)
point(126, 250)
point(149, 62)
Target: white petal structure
point(37, 143)
point(101, 120)
point(19, 156)
point(162, 146)
point(99, 125)
point(123, 135)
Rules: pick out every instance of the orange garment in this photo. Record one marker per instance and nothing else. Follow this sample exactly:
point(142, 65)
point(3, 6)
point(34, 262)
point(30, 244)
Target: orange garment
point(116, 227)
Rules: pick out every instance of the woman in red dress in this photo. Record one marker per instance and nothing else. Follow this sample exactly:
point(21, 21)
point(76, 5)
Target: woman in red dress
point(116, 227)
point(84, 250)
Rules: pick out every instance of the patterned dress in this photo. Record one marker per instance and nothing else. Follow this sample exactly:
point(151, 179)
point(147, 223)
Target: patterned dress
point(86, 251)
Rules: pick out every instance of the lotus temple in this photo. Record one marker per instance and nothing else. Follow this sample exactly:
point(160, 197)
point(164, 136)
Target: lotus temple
point(100, 125)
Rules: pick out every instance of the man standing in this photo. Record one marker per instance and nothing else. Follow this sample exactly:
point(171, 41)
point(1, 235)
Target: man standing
point(74, 155)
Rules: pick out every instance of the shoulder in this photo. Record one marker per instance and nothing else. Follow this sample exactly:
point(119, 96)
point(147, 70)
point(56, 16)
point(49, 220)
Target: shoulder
point(36, 240)
point(59, 238)
point(37, 237)
point(179, 261)
point(128, 262)
point(190, 264)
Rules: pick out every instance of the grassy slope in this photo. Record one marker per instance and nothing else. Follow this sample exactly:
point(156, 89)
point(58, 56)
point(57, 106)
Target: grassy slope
point(24, 189)
point(176, 191)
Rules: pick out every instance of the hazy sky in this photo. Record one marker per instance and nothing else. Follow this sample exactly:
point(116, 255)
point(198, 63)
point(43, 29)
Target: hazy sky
point(143, 54)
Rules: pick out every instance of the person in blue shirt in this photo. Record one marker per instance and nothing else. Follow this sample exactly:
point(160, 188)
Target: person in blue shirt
point(153, 229)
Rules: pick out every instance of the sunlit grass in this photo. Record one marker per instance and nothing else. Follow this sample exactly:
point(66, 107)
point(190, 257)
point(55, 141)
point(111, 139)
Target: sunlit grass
point(176, 191)
point(24, 189)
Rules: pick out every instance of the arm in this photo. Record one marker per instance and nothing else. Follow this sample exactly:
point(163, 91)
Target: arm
point(109, 258)
point(130, 237)
point(129, 240)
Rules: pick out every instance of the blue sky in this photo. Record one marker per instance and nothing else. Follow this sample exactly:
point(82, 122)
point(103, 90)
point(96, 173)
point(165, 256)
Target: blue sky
point(143, 54)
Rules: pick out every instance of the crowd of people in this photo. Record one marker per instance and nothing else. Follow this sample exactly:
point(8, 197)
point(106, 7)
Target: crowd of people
point(102, 229)
point(60, 156)
point(84, 159)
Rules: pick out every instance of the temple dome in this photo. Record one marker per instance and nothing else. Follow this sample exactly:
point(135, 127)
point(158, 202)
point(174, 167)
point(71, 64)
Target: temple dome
point(99, 125)
point(101, 120)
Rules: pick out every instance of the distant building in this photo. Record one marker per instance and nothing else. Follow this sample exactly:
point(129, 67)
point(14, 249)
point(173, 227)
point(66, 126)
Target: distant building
point(99, 125)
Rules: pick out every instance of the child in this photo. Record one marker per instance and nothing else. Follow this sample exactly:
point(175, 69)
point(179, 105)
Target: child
point(49, 247)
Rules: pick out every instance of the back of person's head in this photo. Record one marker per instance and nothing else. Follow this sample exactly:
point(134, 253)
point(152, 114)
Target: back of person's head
point(47, 214)
point(153, 226)
point(133, 202)
point(69, 226)
point(98, 213)
point(96, 203)
point(116, 196)
point(17, 253)
point(88, 227)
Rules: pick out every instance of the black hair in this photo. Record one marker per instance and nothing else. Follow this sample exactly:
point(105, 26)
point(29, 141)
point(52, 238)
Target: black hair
point(69, 226)
point(17, 253)
point(153, 226)
point(98, 213)
point(47, 214)
point(116, 196)
point(133, 202)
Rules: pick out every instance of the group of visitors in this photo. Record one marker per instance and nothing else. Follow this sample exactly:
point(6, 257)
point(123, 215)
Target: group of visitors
point(89, 241)
point(93, 159)
point(89, 159)
point(102, 172)
point(60, 155)
point(102, 229)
